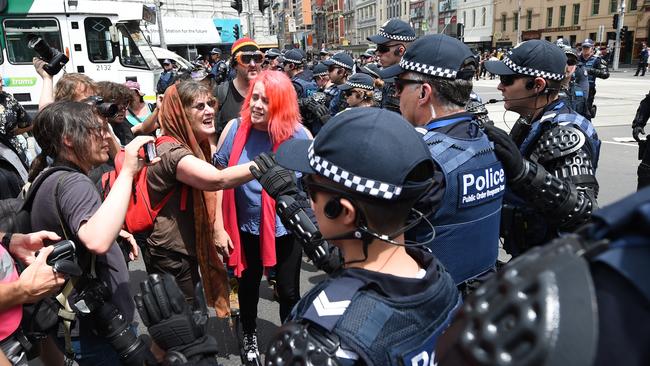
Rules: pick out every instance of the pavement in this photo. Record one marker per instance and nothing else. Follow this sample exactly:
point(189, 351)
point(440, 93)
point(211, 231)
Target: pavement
point(617, 99)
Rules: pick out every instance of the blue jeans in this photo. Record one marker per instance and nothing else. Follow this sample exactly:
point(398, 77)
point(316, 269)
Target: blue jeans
point(92, 350)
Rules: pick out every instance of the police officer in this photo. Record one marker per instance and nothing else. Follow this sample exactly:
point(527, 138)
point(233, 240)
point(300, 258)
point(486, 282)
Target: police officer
point(339, 68)
point(321, 76)
point(359, 91)
point(579, 300)
point(272, 56)
point(434, 84)
point(638, 125)
point(392, 40)
point(364, 172)
point(218, 68)
point(575, 85)
point(551, 164)
point(373, 70)
point(314, 114)
point(596, 68)
point(166, 77)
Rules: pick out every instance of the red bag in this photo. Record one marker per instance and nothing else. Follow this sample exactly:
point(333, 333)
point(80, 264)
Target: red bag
point(140, 215)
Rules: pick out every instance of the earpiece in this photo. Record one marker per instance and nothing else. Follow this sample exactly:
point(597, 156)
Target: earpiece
point(333, 208)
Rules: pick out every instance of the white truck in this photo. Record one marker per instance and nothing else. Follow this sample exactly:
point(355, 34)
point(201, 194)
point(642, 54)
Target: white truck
point(102, 39)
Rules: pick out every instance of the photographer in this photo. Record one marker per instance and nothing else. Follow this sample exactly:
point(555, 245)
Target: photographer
point(68, 203)
point(14, 121)
point(121, 96)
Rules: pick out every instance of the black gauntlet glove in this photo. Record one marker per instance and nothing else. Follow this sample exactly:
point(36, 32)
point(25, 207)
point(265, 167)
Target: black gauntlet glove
point(172, 324)
point(275, 180)
point(636, 130)
point(319, 110)
point(507, 152)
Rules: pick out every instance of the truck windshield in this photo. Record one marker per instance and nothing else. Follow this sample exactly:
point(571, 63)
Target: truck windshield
point(134, 48)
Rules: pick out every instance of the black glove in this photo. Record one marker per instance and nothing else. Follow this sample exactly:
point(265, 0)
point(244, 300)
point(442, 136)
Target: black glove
point(171, 322)
point(275, 180)
point(507, 152)
point(636, 130)
point(319, 110)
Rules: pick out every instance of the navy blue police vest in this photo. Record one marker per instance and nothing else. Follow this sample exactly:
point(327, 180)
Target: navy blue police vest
point(308, 87)
point(468, 218)
point(589, 64)
point(560, 115)
point(381, 331)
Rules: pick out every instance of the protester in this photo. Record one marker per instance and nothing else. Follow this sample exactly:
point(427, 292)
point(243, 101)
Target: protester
point(269, 116)
point(182, 241)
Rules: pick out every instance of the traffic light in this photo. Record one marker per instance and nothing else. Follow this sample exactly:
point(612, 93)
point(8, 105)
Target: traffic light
point(460, 29)
point(235, 31)
point(263, 4)
point(615, 21)
point(237, 5)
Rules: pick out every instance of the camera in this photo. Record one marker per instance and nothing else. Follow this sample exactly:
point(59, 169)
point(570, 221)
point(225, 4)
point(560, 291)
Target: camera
point(105, 109)
point(63, 250)
point(55, 59)
point(110, 323)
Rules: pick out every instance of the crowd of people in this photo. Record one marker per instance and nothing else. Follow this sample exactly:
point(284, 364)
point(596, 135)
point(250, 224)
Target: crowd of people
point(385, 171)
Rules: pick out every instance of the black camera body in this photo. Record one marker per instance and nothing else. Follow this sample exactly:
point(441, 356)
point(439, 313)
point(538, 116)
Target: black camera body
point(105, 109)
point(55, 59)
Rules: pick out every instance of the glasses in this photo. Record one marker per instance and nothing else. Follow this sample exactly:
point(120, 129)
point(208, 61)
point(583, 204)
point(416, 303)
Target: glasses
point(311, 187)
point(332, 68)
point(508, 80)
point(201, 106)
point(350, 92)
point(245, 58)
point(400, 84)
point(383, 48)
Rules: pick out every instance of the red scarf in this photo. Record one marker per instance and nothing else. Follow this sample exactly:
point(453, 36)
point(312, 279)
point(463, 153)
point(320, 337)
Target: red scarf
point(237, 260)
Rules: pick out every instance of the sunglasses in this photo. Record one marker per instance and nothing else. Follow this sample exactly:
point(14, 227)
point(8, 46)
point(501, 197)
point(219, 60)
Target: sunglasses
point(245, 58)
point(311, 187)
point(400, 84)
point(383, 48)
point(508, 80)
point(350, 92)
point(332, 68)
point(201, 106)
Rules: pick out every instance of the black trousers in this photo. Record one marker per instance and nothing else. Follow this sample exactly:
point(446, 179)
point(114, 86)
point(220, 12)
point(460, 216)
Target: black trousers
point(185, 269)
point(641, 67)
point(288, 255)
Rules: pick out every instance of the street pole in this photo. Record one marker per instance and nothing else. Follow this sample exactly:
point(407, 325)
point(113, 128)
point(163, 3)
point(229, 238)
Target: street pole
point(161, 31)
point(251, 32)
point(518, 22)
point(617, 50)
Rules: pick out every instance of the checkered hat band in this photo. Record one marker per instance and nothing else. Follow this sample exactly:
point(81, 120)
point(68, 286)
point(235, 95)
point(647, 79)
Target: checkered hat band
point(360, 86)
point(428, 69)
point(292, 61)
point(362, 185)
point(321, 73)
point(339, 63)
point(396, 37)
point(531, 72)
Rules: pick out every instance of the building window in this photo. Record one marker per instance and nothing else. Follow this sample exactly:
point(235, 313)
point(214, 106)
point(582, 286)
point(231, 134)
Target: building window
point(473, 18)
point(572, 39)
point(595, 5)
point(548, 38)
point(515, 21)
point(576, 14)
point(483, 16)
point(592, 36)
point(529, 19)
point(613, 5)
point(632, 4)
point(503, 22)
point(549, 17)
point(562, 15)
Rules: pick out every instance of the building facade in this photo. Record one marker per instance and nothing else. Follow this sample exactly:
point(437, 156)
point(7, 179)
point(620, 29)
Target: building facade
point(476, 17)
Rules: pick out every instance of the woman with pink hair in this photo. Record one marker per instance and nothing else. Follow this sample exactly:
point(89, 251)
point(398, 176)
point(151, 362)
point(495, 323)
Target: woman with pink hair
point(253, 235)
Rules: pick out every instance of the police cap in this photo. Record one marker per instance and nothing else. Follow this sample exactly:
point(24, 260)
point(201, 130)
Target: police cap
point(537, 58)
point(394, 30)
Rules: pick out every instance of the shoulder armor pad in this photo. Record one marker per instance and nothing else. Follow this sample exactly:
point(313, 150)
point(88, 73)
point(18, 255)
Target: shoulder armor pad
point(302, 344)
point(557, 142)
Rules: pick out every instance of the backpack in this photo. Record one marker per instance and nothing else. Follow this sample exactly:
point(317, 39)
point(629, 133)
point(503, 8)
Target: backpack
point(140, 214)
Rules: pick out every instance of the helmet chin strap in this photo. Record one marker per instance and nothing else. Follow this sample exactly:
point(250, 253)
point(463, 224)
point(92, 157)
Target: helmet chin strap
point(367, 235)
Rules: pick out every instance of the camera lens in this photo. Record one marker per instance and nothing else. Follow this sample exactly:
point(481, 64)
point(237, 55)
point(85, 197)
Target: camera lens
point(41, 47)
point(108, 110)
point(110, 323)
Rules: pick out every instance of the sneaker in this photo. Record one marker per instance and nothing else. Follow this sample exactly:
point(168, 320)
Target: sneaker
point(250, 352)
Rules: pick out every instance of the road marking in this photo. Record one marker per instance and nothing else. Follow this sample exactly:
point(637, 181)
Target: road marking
point(619, 143)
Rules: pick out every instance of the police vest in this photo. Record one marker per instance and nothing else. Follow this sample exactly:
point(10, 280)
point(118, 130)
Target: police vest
point(589, 64)
point(467, 220)
point(334, 102)
point(555, 117)
point(389, 100)
point(381, 331)
point(574, 96)
point(10, 318)
point(308, 88)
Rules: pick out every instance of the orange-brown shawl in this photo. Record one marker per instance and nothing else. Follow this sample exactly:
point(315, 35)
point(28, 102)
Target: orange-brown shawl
point(173, 122)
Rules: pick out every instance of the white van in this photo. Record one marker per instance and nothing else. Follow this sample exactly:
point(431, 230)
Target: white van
point(103, 40)
point(162, 54)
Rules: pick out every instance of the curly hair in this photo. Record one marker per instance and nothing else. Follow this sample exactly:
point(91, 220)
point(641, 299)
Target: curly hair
point(66, 88)
point(284, 115)
point(114, 92)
